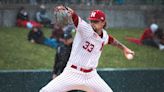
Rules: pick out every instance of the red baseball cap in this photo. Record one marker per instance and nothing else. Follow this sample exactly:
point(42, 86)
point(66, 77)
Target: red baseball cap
point(97, 15)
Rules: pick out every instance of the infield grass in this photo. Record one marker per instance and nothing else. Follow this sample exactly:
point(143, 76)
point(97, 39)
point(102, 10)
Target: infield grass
point(17, 53)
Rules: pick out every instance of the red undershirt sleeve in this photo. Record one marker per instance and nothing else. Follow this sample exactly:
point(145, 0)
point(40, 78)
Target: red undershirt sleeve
point(75, 19)
point(110, 39)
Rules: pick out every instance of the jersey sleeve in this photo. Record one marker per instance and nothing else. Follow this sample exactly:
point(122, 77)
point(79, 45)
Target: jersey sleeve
point(82, 26)
point(110, 39)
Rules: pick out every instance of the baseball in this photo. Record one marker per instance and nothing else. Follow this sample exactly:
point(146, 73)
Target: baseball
point(129, 56)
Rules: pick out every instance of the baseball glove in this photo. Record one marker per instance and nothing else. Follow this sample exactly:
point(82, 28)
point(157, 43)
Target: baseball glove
point(61, 16)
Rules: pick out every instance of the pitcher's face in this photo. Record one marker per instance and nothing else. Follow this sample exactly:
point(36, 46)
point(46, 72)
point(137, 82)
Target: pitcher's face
point(97, 25)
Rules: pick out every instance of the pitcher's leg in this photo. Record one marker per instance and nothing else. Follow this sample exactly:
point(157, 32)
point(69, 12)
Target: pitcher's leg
point(98, 84)
point(63, 82)
point(55, 85)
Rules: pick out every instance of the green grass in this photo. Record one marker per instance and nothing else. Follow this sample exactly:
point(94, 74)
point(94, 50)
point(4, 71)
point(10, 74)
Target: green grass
point(17, 53)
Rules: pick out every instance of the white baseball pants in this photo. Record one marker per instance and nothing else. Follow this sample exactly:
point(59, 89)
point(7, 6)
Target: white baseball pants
point(72, 79)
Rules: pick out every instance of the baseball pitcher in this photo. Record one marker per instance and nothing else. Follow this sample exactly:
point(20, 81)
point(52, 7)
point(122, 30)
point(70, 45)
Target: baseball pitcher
point(80, 71)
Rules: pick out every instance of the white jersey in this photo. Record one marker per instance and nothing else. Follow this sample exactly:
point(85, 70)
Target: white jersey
point(87, 46)
point(86, 51)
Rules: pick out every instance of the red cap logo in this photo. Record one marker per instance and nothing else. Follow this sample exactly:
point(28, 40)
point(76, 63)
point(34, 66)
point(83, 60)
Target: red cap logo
point(97, 15)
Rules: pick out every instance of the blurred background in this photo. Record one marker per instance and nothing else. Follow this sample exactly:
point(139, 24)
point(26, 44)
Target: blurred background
point(121, 13)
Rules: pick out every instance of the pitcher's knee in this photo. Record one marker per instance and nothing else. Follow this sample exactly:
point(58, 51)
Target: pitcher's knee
point(110, 90)
point(43, 90)
point(49, 90)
